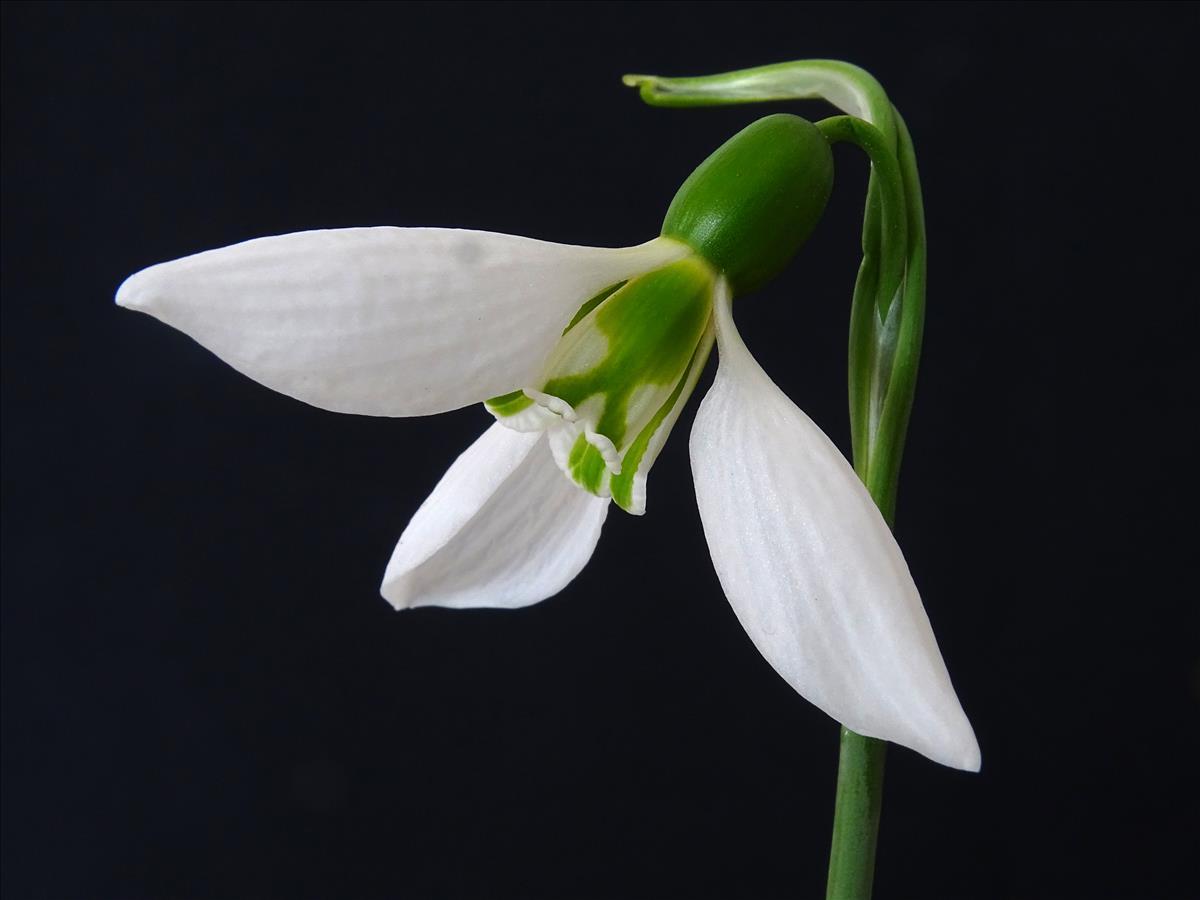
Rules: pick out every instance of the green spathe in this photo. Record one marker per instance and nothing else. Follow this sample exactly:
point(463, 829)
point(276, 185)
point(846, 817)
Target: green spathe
point(752, 204)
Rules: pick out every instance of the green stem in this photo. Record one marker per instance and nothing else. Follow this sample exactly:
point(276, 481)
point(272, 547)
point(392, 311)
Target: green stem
point(886, 323)
point(886, 355)
point(856, 817)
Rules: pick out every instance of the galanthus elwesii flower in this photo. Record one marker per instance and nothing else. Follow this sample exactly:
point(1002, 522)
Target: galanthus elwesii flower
point(586, 357)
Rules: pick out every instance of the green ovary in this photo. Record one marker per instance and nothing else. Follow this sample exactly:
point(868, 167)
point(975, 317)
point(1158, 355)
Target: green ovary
point(750, 206)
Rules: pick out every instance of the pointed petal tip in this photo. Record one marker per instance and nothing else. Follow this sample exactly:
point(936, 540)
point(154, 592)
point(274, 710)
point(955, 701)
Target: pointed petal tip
point(135, 291)
point(956, 750)
point(973, 763)
point(147, 289)
point(965, 755)
point(965, 759)
point(959, 750)
point(971, 759)
point(396, 597)
point(933, 725)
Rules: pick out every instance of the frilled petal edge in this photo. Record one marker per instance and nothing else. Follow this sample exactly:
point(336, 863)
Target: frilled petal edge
point(812, 570)
point(503, 528)
point(385, 321)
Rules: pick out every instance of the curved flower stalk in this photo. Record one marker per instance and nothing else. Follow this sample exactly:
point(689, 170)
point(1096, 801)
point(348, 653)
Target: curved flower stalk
point(585, 357)
point(888, 310)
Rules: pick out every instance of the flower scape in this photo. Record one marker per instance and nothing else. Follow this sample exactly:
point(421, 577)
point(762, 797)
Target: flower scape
point(586, 357)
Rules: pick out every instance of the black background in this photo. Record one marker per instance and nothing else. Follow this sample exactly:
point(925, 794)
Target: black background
point(204, 695)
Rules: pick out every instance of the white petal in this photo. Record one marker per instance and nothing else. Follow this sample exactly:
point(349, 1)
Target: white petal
point(386, 321)
point(502, 528)
point(812, 570)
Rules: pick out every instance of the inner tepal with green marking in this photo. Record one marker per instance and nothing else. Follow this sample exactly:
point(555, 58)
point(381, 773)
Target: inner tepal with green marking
point(628, 361)
point(614, 383)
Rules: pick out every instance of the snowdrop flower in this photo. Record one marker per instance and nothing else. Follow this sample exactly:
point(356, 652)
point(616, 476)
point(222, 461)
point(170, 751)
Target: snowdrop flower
point(585, 357)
